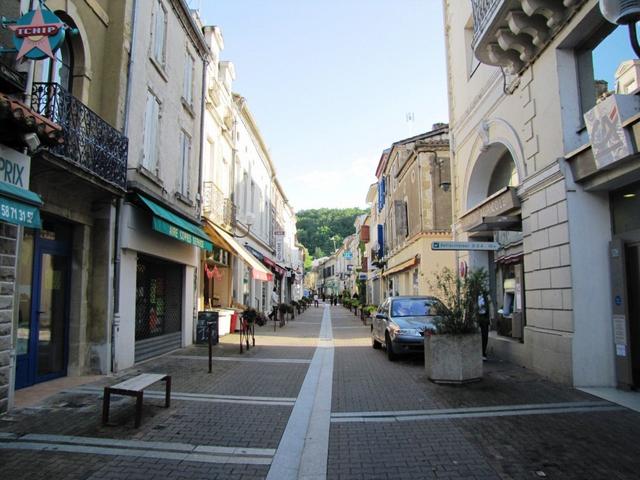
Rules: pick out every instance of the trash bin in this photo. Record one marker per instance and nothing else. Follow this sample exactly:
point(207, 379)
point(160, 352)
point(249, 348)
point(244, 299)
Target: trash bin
point(204, 318)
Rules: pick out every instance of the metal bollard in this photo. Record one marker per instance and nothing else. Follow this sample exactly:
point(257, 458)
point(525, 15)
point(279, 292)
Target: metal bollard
point(209, 330)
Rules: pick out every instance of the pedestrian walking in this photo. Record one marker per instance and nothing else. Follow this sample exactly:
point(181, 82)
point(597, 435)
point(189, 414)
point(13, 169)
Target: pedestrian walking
point(274, 304)
point(315, 299)
point(483, 321)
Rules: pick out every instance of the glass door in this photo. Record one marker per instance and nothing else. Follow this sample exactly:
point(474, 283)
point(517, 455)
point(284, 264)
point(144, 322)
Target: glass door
point(44, 316)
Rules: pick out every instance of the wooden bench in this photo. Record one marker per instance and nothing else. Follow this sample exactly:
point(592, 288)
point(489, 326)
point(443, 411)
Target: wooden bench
point(134, 387)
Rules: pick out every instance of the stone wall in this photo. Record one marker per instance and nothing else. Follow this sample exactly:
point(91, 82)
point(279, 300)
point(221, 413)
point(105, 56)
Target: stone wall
point(8, 235)
point(547, 266)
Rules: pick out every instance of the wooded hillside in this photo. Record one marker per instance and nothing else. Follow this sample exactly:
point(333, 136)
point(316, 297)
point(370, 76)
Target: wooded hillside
point(321, 229)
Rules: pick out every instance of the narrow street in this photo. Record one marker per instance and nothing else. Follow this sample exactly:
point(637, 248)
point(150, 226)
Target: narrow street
point(314, 400)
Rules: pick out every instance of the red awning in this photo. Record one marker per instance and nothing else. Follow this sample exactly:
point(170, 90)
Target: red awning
point(274, 266)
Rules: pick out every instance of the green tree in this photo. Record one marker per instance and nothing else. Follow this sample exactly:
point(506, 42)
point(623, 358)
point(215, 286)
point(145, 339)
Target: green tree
point(319, 228)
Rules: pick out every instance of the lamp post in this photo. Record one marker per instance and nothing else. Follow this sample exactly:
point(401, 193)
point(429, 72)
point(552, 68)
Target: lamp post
point(623, 12)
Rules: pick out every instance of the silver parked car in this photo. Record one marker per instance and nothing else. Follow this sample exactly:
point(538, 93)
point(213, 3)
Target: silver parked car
point(401, 324)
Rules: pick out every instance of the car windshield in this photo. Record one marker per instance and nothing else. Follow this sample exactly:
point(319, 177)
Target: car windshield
point(411, 307)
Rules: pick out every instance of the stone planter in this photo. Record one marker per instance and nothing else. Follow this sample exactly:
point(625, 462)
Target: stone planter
point(453, 358)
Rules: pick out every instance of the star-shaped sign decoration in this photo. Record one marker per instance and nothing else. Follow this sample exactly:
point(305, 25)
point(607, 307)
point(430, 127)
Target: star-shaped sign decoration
point(37, 35)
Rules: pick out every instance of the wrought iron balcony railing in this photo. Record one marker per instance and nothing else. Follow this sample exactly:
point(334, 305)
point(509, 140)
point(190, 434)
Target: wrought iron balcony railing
point(216, 207)
point(89, 142)
point(483, 10)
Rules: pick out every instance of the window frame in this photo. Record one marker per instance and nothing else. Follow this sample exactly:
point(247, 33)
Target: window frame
point(150, 142)
point(159, 52)
point(185, 163)
point(187, 88)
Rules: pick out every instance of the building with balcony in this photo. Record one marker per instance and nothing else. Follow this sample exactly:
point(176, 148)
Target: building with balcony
point(70, 122)
point(534, 171)
point(160, 239)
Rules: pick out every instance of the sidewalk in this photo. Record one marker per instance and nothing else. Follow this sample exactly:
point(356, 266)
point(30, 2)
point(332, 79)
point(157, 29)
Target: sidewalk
point(314, 400)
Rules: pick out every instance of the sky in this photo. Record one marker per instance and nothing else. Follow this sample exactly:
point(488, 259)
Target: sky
point(330, 84)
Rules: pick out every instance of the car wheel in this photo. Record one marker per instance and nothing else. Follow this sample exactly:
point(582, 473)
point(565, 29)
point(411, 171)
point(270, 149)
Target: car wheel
point(391, 355)
point(374, 343)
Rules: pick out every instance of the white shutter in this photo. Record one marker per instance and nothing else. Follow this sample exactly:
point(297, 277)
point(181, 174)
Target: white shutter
point(152, 111)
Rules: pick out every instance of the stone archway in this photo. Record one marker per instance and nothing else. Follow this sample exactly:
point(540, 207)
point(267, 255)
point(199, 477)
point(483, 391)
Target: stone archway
point(496, 138)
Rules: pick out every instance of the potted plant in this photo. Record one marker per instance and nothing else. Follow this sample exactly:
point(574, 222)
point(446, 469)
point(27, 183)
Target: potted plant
point(356, 304)
point(367, 311)
point(453, 353)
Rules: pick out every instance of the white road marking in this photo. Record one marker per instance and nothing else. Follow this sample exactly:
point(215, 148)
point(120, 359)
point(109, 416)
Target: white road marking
point(473, 412)
point(240, 359)
point(304, 447)
point(137, 448)
point(199, 397)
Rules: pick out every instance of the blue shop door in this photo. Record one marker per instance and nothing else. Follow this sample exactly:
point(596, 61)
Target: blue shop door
point(43, 323)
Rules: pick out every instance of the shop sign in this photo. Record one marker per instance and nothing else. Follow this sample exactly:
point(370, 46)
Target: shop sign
point(37, 35)
point(362, 276)
point(14, 167)
point(497, 204)
point(161, 226)
point(19, 213)
point(494, 246)
point(610, 141)
point(279, 248)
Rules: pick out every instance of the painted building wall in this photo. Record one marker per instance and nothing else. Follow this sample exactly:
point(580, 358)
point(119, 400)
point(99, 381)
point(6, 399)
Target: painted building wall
point(534, 116)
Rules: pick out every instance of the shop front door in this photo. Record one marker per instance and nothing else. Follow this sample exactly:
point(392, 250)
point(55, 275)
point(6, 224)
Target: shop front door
point(632, 267)
point(43, 332)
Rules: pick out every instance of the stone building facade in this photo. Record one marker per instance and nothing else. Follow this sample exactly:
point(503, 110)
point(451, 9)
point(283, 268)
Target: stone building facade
point(525, 175)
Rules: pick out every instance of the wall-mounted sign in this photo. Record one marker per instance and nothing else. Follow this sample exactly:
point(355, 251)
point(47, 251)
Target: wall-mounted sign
point(280, 248)
point(14, 167)
point(500, 203)
point(347, 255)
point(465, 246)
point(37, 35)
point(610, 141)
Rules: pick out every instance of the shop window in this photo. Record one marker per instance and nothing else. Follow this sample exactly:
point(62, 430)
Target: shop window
point(158, 298)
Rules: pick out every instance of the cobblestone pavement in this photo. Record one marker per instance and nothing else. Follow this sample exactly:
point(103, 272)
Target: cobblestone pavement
point(386, 419)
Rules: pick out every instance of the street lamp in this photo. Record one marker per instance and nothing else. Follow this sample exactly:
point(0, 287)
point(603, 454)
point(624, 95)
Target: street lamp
point(623, 12)
point(249, 220)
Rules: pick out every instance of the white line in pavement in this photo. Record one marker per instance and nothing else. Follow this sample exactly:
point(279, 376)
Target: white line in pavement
point(239, 359)
point(200, 397)
point(304, 447)
point(473, 412)
point(137, 448)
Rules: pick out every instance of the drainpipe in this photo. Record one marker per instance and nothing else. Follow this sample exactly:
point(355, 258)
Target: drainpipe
point(134, 11)
point(115, 321)
point(203, 88)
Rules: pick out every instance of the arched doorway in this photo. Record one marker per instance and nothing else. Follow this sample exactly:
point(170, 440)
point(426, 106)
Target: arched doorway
point(493, 215)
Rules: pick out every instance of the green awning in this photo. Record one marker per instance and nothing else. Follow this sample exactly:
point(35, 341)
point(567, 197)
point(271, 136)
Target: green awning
point(177, 227)
point(19, 206)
